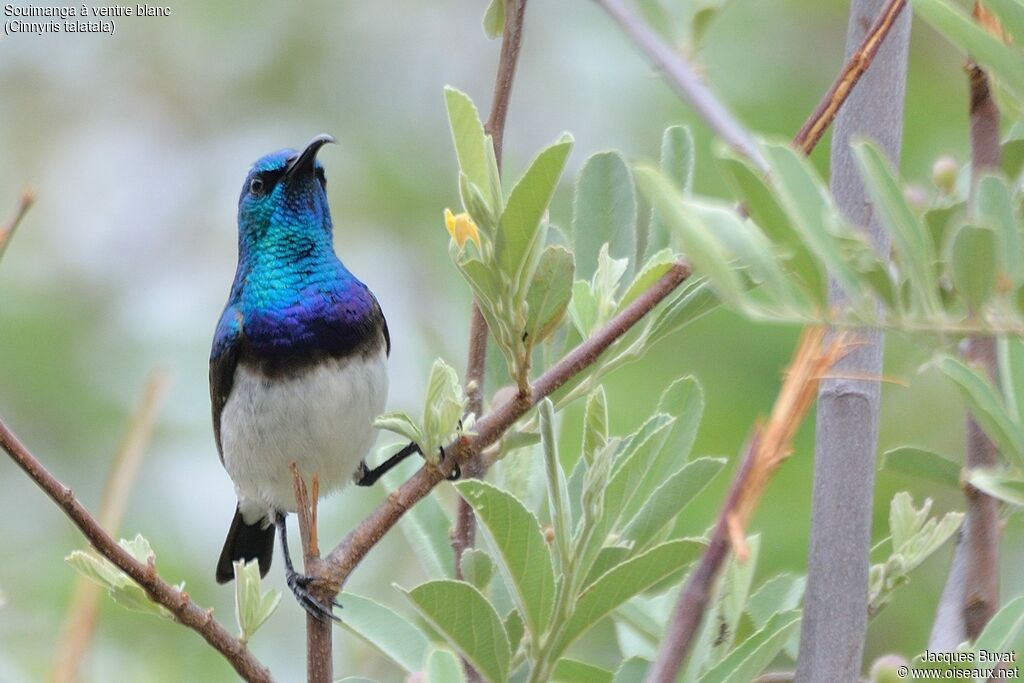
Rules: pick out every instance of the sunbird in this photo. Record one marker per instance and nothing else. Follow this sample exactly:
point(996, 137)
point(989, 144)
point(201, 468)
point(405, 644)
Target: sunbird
point(298, 369)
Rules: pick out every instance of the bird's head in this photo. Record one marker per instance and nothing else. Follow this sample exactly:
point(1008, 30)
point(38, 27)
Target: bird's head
point(285, 189)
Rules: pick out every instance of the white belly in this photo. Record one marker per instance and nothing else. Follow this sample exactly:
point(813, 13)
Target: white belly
point(321, 420)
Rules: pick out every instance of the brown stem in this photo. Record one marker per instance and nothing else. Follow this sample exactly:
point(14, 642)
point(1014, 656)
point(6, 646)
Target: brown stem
point(179, 603)
point(319, 659)
point(464, 535)
point(981, 525)
point(340, 563)
point(768, 448)
point(77, 630)
point(24, 203)
point(823, 115)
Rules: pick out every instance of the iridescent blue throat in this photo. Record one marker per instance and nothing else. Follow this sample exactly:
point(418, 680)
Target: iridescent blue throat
point(292, 302)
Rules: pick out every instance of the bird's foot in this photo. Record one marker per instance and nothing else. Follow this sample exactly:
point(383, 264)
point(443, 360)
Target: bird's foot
point(299, 584)
point(364, 476)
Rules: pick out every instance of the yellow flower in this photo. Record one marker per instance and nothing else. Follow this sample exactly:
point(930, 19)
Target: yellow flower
point(461, 227)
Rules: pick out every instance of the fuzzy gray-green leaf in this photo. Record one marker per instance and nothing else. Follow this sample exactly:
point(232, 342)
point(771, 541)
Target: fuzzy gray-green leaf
point(604, 210)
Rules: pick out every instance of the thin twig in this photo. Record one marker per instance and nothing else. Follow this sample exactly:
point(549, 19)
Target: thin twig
point(823, 115)
point(319, 646)
point(77, 630)
point(971, 594)
point(768, 448)
point(28, 196)
point(981, 526)
point(684, 80)
point(344, 558)
point(179, 603)
point(463, 537)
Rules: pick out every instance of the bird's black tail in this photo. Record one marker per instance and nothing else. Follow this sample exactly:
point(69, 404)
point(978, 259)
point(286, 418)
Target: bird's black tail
point(245, 542)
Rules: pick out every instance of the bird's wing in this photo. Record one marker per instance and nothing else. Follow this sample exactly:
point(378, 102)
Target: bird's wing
point(384, 327)
point(223, 361)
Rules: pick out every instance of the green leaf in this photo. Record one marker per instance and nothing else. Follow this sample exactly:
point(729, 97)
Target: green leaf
point(477, 568)
point(443, 667)
point(443, 408)
point(753, 655)
point(914, 537)
point(632, 670)
point(520, 543)
point(1004, 631)
point(1007, 487)
point(1001, 60)
point(549, 294)
point(595, 424)
point(121, 588)
point(653, 270)
point(583, 308)
point(385, 630)
point(974, 265)
point(806, 201)
point(987, 408)
point(558, 488)
point(399, 423)
point(604, 210)
point(494, 19)
point(683, 400)
point(465, 618)
point(252, 607)
point(515, 629)
point(476, 205)
point(909, 238)
point(469, 138)
point(705, 254)
point(677, 163)
point(670, 498)
point(753, 251)
point(425, 526)
point(575, 671)
point(691, 301)
point(519, 230)
point(780, 593)
point(623, 582)
point(631, 482)
point(924, 464)
point(994, 205)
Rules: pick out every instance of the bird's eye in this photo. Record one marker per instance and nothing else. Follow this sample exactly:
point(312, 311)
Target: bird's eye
point(321, 177)
point(256, 187)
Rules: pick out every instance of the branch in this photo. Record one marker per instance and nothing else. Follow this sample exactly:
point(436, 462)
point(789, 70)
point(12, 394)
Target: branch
point(511, 41)
point(836, 599)
point(319, 652)
point(971, 595)
point(768, 448)
point(823, 115)
point(80, 621)
point(340, 563)
point(684, 80)
point(177, 602)
point(28, 196)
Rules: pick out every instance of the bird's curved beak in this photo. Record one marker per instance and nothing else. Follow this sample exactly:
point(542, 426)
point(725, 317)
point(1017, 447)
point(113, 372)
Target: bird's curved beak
point(303, 163)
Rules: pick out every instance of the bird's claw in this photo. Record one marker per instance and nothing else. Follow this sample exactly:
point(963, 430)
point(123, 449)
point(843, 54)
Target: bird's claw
point(360, 476)
point(299, 585)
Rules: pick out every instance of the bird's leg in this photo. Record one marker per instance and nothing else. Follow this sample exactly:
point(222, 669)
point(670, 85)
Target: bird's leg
point(364, 476)
point(299, 582)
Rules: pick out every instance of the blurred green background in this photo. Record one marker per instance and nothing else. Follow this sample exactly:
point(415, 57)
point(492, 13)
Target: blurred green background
point(137, 145)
